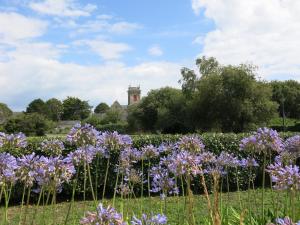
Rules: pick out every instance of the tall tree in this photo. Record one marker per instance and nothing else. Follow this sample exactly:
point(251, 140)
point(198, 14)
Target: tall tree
point(101, 108)
point(54, 109)
point(36, 106)
point(5, 112)
point(75, 109)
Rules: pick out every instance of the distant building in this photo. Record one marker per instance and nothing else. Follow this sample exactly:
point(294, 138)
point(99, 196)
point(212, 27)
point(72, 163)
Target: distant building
point(134, 95)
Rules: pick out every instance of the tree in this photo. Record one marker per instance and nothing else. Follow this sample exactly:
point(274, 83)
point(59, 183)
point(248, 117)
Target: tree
point(101, 108)
point(54, 109)
point(5, 113)
point(161, 110)
point(36, 106)
point(287, 95)
point(75, 109)
point(229, 98)
point(29, 124)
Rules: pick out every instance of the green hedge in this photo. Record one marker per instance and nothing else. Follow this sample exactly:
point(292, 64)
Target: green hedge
point(214, 142)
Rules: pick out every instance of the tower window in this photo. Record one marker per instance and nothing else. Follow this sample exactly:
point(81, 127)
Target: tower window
point(135, 98)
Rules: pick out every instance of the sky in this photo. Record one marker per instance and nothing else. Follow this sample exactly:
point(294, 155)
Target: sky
point(95, 49)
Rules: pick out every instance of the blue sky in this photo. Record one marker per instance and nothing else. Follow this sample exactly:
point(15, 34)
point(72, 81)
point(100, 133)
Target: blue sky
point(94, 49)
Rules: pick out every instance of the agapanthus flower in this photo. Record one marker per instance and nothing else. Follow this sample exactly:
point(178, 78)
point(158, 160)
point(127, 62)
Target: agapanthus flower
point(103, 216)
point(292, 145)
point(249, 162)
point(113, 141)
point(149, 152)
point(284, 221)
point(153, 220)
point(184, 163)
point(27, 171)
point(166, 148)
point(52, 147)
point(128, 157)
point(52, 172)
point(84, 155)
point(228, 160)
point(191, 143)
point(133, 176)
point(83, 135)
point(10, 141)
point(285, 177)
point(8, 169)
point(124, 189)
point(262, 141)
point(162, 181)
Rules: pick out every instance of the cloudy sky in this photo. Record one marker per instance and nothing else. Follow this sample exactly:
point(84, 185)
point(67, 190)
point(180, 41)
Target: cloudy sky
point(94, 49)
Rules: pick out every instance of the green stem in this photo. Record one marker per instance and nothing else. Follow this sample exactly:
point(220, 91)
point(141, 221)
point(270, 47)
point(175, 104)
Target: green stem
point(116, 187)
point(105, 179)
point(149, 188)
point(238, 187)
point(91, 184)
point(36, 207)
point(263, 189)
point(22, 204)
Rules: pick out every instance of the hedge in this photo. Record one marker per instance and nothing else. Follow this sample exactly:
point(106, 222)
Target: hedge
point(214, 142)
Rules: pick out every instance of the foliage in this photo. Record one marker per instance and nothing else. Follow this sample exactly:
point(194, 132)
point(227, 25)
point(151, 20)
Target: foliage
point(101, 108)
point(287, 95)
point(54, 109)
point(36, 106)
point(5, 113)
point(29, 124)
point(75, 109)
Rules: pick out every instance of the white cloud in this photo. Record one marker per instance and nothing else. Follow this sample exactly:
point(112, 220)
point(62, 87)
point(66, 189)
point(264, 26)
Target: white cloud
point(264, 32)
point(14, 27)
point(124, 27)
point(64, 8)
point(105, 49)
point(155, 50)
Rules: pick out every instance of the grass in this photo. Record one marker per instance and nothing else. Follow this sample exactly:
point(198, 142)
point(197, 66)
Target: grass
point(46, 214)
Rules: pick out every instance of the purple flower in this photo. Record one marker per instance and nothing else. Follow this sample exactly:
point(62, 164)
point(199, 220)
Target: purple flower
point(52, 172)
point(149, 152)
point(133, 176)
point(227, 160)
point(84, 155)
point(52, 147)
point(8, 169)
point(153, 220)
point(112, 142)
point(284, 221)
point(262, 141)
point(285, 177)
point(190, 143)
point(248, 162)
point(83, 135)
point(103, 216)
point(10, 141)
point(292, 145)
point(128, 157)
point(27, 171)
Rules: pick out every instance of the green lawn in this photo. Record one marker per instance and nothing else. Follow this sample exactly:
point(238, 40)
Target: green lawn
point(44, 215)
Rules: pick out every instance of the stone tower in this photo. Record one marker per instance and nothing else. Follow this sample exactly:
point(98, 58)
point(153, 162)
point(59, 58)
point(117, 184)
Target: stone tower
point(134, 95)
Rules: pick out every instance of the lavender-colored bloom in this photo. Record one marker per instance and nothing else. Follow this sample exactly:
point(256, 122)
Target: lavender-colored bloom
point(113, 141)
point(166, 148)
point(11, 141)
point(162, 182)
point(183, 163)
point(249, 162)
point(8, 169)
point(52, 147)
point(128, 157)
point(191, 143)
point(285, 177)
point(153, 220)
point(27, 172)
point(133, 176)
point(262, 141)
point(149, 152)
point(83, 135)
point(124, 189)
point(84, 155)
point(284, 221)
point(52, 172)
point(292, 145)
point(103, 216)
point(227, 160)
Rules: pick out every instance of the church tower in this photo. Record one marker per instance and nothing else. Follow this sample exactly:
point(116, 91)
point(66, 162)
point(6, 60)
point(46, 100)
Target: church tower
point(134, 95)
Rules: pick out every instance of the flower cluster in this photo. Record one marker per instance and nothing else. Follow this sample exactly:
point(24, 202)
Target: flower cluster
point(153, 220)
point(149, 152)
point(8, 169)
point(284, 221)
point(292, 145)
point(285, 177)
point(84, 155)
point(263, 141)
point(28, 169)
point(52, 147)
point(83, 135)
point(103, 216)
point(10, 141)
point(190, 143)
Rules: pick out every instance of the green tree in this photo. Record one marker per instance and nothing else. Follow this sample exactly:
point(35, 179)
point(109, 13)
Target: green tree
point(29, 123)
point(101, 108)
point(161, 110)
point(287, 95)
point(112, 116)
point(5, 113)
point(54, 109)
point(229, 98)
point(75, 109)
point(36, 106)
